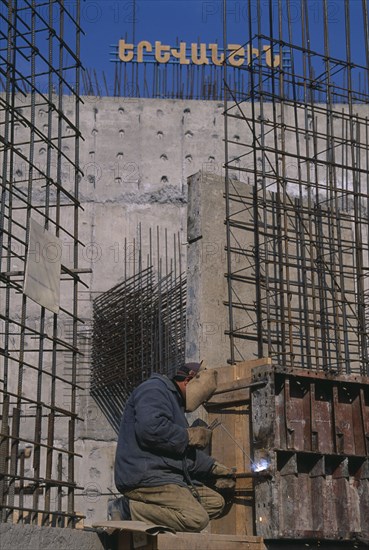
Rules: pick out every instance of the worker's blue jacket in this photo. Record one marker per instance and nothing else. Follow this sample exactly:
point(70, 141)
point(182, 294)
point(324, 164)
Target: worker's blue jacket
point(153, 439)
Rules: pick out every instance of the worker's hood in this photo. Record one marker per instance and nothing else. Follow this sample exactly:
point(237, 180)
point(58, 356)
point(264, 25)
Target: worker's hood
point(200, 388)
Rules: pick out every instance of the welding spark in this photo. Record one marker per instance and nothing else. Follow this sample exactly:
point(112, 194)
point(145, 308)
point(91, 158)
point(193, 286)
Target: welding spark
point(260, 465)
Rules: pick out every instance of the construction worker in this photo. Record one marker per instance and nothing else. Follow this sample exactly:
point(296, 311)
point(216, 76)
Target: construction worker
point(160, 464)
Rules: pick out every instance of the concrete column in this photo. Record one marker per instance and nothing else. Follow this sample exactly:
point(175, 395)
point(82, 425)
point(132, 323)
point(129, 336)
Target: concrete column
point(207, 316)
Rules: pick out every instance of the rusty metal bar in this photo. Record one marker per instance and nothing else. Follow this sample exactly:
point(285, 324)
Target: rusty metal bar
point(139, 325)
point(32, 31)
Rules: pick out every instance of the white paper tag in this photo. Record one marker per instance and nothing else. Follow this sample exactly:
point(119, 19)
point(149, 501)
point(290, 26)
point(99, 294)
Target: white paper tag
point(42, 277)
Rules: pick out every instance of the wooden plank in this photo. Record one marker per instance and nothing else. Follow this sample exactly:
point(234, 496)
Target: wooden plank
point(252, 363)
point(231, 443)
point(231, 373)
point(223, 448)
point(234, 398)
point(208, 541)
point(231, 385)
point(132, 526)
point(245, 496)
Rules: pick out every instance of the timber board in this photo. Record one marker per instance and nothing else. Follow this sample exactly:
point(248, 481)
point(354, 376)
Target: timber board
point(208, 541)
point(188, 541)
point(231, 406)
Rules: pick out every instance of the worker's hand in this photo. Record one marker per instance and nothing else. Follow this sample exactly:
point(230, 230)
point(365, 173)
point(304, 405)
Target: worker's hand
point(219, 470)
point(199, 437)
point(225, 477)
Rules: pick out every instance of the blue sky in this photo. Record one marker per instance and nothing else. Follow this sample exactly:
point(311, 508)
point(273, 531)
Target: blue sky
point(106, 21)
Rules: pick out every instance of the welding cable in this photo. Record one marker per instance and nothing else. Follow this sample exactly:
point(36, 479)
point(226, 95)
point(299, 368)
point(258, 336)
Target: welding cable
point(188, 478)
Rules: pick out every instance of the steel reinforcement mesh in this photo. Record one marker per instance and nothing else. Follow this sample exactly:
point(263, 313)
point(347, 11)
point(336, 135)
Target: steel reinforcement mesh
point(39, 68)
point(301, 233)
point(139, 326)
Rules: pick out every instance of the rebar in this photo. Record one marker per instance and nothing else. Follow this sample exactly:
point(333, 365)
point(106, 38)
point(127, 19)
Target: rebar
point(138, 326)
point(299, 228)
point(40, 75)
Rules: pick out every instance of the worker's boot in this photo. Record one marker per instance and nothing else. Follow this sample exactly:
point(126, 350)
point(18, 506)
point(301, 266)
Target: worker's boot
point(118, 509)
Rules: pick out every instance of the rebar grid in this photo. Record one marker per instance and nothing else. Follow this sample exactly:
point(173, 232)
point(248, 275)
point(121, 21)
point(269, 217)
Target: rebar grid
point(40, 50)
point(139, 325)
point(299, 291)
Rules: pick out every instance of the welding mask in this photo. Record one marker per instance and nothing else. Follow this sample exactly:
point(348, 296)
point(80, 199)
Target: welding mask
point(200, 388)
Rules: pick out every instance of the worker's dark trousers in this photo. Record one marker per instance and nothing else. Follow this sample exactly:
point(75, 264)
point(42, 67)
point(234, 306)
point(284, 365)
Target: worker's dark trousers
point(175, 506)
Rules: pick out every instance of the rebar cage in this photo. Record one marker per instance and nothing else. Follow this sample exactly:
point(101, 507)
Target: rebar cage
point(139, 325)
point(306, 210)
point(40, 53)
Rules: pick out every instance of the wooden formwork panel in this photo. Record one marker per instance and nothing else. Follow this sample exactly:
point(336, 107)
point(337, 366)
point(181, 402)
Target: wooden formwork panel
point(231, 443)
point(205, 541)
point(188, 541)
point(129, 535)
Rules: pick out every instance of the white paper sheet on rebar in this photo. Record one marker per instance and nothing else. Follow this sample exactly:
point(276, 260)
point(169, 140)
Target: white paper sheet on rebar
point(42, 277)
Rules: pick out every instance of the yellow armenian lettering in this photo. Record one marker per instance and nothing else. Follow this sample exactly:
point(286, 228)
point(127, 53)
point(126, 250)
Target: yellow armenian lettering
point(140, 47)
point(236, 58)
point(163, 52)
point(214, 55)
point(181, 54)
point(159, 55)
point(268, 57)
point(202, 60)
point(123, 47)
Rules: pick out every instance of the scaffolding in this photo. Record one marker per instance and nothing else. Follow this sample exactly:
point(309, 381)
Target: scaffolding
point(300, 229)
point(40, 71)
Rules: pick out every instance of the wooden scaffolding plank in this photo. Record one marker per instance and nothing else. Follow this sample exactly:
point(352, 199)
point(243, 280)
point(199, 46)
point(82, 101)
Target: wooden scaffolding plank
point(208, 541)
